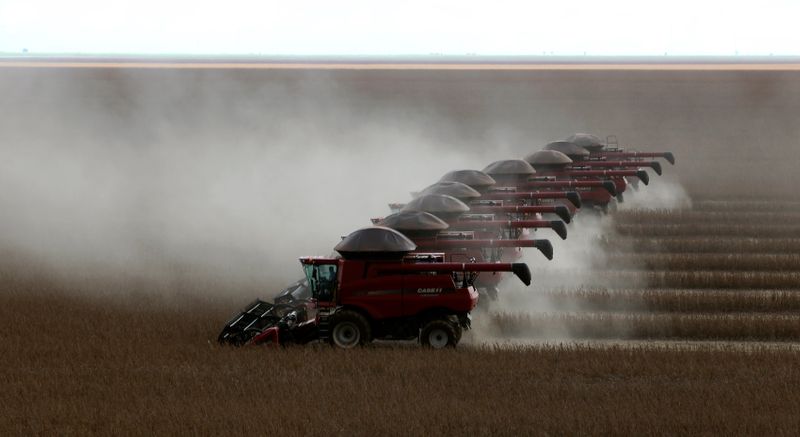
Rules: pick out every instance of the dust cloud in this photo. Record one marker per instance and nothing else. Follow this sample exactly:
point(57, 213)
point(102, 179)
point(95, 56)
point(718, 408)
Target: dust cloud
point(579, 265)
point(223, 178)
point(169, 178)
point(575, 264)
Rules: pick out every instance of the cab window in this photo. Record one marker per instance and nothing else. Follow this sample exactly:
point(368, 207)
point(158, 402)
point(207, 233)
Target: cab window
point(321, 280)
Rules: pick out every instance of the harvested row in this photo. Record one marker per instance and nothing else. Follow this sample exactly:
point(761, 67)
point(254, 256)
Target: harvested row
point(670, 300)
point(681, 245)
point(689, 217)
point(707, 279)
point(739, 327)
point(735, 205)
point(702, 261)
point(765, 230)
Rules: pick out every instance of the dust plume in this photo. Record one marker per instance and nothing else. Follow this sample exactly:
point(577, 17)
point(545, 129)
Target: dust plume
point(221, 179)
point(170, 180)
point(575, 264)
point(581, 265)
point(664, 192)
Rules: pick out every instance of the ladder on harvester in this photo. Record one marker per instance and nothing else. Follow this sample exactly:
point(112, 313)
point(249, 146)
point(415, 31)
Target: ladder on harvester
point(324, 323)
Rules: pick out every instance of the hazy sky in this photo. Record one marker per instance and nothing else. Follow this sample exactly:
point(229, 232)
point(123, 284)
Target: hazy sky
point(409, 27)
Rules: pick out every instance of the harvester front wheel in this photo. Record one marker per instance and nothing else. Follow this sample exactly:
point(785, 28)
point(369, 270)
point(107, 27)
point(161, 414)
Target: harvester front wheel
point(438, 334)
point(350, 329)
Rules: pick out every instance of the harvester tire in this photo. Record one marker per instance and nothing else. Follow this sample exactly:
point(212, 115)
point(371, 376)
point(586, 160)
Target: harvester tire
point(438, 334)
point(349, 329)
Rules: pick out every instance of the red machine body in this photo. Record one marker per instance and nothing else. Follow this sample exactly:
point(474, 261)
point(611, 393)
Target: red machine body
point(623, 155)
point(492, 226)
point(498, 207)
point(616, 176)
point(362, 299)
point(467, 247)
point(579, 185)
point(593, 190)
point(655, 165)
point(531, 197)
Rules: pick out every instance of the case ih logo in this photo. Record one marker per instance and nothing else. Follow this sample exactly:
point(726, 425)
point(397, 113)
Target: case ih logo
point(429, 290)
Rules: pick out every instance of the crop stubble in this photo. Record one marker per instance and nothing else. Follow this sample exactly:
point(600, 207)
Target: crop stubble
point(137, 363)
point(717, 271)
point(73, 366)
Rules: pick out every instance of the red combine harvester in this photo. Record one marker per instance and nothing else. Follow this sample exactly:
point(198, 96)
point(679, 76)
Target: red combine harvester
point(476, 180)
point(502, 201)
point(583, 159)
point(430, 233)
point(508, 236)
point(513, 174)
point(378, 289)
point(507, 205)
point(611, 150)
point(459, 217)
point(555, 165)
point(481, 182)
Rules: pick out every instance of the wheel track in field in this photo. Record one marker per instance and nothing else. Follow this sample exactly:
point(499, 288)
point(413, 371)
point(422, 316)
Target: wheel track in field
point(723, 270)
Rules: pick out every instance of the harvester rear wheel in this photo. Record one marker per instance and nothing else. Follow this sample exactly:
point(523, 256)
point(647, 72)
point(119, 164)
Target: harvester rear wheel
point(349, 329)
point(438, 334)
